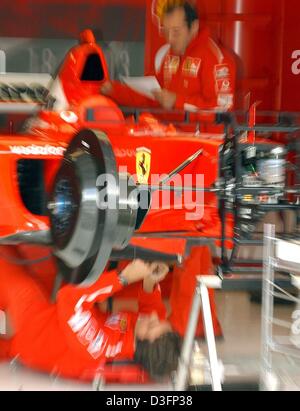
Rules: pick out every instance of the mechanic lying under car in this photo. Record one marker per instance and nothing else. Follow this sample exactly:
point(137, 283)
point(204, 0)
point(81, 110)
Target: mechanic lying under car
point(74, 337)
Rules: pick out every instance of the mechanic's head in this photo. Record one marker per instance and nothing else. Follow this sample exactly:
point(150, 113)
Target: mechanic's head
point(157, 348)
point(180, 23)
point(150, 327)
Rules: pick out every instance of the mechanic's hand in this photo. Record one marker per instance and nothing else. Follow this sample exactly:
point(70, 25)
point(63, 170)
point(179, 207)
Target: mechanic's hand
point(166, 98)
point(159, 271)
point(137, 270)
point(106, 88)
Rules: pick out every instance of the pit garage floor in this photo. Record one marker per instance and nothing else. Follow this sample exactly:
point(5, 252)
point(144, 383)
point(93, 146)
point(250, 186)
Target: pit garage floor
point(239, 351)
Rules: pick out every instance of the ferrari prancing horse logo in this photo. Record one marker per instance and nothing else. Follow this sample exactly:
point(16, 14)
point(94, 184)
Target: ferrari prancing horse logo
point(143, 164)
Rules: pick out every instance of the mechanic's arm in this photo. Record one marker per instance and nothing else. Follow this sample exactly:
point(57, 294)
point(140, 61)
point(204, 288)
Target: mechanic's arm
point(149, 297)
point(107, 285)
point(126, 96)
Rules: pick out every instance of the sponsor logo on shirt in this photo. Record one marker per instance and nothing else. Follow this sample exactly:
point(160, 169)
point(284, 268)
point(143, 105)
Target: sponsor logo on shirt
point(85, 327)
point(191, 66)
point(79, 320)
point(225, 100)
point(112, 321)
point(123, 324)
point(171, 64)
point(221, 71)
point(113, 350)
point(98, 345)
point(117, 322)
point(223, 85)
point(86, 335)
point(185, 83)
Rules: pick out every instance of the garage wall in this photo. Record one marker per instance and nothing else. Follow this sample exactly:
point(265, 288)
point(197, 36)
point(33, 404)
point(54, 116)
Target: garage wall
point(290, 87)
point(35, 35)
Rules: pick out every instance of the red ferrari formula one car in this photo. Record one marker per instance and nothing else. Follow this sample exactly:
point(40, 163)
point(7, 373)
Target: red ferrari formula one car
point(97, 183)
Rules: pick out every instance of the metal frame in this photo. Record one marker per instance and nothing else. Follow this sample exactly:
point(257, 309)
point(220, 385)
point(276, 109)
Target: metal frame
point(270, 343)
point(286, 124)
point(200, 300)
point(235, 125)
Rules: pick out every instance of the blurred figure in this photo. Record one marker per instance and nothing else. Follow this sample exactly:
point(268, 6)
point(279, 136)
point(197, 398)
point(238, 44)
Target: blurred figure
point(77, 335)
point(194, 73)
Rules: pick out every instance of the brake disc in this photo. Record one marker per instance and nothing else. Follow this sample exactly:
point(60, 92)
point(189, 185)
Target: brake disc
point(92, 208)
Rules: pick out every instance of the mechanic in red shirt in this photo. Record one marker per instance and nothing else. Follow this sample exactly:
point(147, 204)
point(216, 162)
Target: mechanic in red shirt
point(193, 74)
point(75, 336)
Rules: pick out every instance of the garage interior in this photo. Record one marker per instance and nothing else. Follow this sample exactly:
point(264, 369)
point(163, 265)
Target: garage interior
point(250, 160)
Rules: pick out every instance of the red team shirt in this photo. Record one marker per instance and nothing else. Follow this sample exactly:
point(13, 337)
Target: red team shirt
point(72, 337)
point(204, 78)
